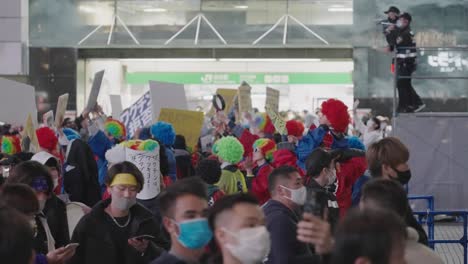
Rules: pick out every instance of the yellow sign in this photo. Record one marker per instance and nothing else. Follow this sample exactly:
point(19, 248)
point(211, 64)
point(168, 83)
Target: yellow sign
point(272, 99)
point(61, 109)
point(186, 123)
point(245, 99)
point(30, 132)
point(276, 119)
point(229, 96)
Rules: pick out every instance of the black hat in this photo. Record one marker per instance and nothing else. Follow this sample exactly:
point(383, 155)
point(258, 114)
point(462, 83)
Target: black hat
point(406, 16)
point(393, 9)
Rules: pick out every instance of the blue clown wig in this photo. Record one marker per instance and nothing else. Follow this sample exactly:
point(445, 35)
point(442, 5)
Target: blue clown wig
point(164, 132)
point(356, 143)
point(71, 134)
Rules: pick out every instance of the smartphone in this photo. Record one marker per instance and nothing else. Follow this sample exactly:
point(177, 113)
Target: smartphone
point(141, 237)
point(313, 204)
point(72, 245)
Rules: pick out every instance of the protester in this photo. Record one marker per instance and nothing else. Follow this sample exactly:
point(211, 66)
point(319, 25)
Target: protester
point(210, 172)
point(54, 167)
point(165, 134)
point(239, 229)
point(22, 198)
point(16, 243)
point(355, 143)
point(282, 214)
point(370, 237)
point(183, 158)
point(119, 230)
point(371, 132)
point(52, 217)
point(390, 196)
point(183, 206)
point(80, 179)
point(321, 172)
point(259, 168)
point(48, 141)
point(229, 152)
point(388, 159)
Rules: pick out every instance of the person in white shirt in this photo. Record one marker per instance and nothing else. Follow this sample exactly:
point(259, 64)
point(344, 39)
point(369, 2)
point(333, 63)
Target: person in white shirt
point(371, 132)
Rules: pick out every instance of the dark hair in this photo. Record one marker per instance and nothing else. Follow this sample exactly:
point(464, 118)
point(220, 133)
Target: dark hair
point(388, 194)
point(20, 197)
point(282, 172)
point(278, 138)
point(53, 163)
point(227, 203)
point(373, 234)
point(17, 239)
point(317, 161)
point(209, 171)
point(125, 167)
point(193, 186)
point(390, 151)
point(163, 161)
point(24, 156)
point(376, 121)
point(26, 172)
point(180, 142)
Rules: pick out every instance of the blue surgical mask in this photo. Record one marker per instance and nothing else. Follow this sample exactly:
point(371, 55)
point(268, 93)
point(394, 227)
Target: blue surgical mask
point(194, 234)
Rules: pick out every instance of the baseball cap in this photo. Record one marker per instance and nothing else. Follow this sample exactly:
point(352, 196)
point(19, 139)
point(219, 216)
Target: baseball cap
point(406, 16)
point(393, 9)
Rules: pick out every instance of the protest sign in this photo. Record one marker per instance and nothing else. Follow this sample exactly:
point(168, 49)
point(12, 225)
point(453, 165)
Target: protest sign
point(277, 121)
point(48, 119)
point(245, 98)
point(167, 95)
point(95, 88)
point(61, 109)
point(186, 123)
point(30, 132)
point(17, 100)
point(229, 96)
point(148, 164)
point(138, 115)
point(116, 104)
point(272, 99)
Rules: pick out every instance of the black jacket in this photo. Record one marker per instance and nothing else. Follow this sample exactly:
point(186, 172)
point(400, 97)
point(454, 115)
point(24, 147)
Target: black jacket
point(80, 179)
point(281, 222)
point(55, 211)
point(167, 258)
point(327, 200)
point(96, 242)
point(403, 40)
point(411, 221)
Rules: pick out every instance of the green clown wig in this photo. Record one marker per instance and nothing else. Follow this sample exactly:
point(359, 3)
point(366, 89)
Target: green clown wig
point(229, 149)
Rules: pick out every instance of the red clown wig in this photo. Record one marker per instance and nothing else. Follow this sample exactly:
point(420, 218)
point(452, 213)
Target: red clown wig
point(337, 113)
point(295, 128)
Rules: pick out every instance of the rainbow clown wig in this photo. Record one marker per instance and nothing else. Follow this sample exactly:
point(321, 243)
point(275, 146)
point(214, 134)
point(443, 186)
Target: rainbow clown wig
point(263, 123)
point(148, 145)
point(266, 146)
point(115, 128)
point(11, 145)
point(337, 113)
point(164, 132)
point(229, 149)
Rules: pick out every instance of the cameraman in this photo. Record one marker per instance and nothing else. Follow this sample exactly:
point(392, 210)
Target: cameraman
point(389, 24)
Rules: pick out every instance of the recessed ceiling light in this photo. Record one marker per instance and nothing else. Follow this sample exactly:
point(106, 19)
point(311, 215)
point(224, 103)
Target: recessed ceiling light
point(86, 9)
point(340, 9)
point(154, 10)
point(241, 6)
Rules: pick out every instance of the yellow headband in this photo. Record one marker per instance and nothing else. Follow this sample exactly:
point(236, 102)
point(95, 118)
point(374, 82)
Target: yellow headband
point(124, 179)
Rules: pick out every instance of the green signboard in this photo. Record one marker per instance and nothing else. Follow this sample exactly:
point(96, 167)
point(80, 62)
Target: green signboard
point(237, 78)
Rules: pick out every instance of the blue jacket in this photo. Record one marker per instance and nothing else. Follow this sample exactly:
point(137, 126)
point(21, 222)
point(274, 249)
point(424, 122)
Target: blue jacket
point(172, 163)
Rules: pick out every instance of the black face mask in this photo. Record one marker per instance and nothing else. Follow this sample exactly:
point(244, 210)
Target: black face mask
point(403, 177)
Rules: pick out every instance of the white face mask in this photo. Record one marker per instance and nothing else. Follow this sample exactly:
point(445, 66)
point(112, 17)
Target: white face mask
point(298, 196)
point(383, 126)
point(253, 244)
point(370, 124)
point(332, 177)
point(123, 203)
point(399, 24)
point(56, 182)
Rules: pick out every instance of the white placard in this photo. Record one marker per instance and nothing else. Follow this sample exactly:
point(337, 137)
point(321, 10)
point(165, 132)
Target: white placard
point(138, 115)
point(17, 101)
point(148, 163)
point(93, 95)
point(167, 95)
point(116, 104)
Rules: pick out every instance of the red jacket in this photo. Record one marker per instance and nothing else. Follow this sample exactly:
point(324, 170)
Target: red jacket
point(284, 157)
point(260, 183)
point(349, 172)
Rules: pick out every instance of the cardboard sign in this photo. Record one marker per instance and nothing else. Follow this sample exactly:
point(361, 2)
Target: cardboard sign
point(138, 115)
point(148, 164)
point(61, 109)
point(245, 98)
point(186, 123)
point(229, 96)
point(30, 132)
point(93, 95)
point(17, 100)
point(48, 119)
point(116, 104)
point(272, 99)
point(277, 121)
point(167, 95)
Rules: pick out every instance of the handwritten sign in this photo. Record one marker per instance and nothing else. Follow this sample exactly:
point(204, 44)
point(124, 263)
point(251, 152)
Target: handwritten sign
point(17, 100)
point(245, 98)
point(277, 121)
point(186, 123)
point(272, 99)
point(48, 119)
point(93, 95)
point(30, 132)
point(229, 96)
point(138, 115)
point(61, 109)
point(148, 164)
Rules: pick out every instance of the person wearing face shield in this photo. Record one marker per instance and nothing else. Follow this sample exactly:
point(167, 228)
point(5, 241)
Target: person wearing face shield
point(118, 230)
point(388, 159)
point(184, 205)
point(238, 224)
point(282, 214)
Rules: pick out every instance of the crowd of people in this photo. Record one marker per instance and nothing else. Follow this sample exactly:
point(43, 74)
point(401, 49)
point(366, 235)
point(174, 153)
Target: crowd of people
point(315, 194)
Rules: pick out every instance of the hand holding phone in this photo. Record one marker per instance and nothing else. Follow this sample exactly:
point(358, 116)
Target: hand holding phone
point(72, 245)
point(141, 237)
